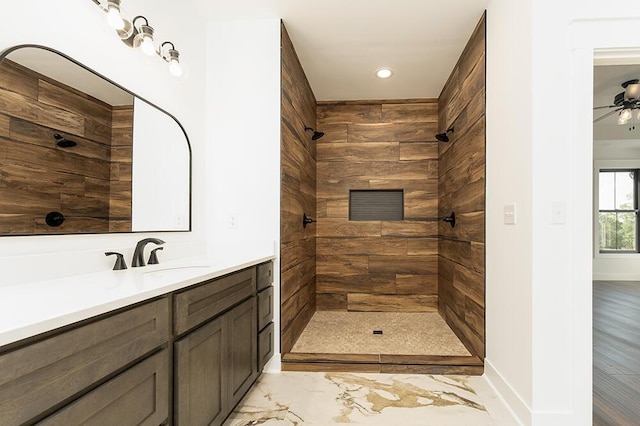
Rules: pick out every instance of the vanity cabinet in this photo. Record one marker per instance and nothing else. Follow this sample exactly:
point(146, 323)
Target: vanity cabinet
point(43, 376)
point(186, 358)
point(215, 364)
point(264, 286)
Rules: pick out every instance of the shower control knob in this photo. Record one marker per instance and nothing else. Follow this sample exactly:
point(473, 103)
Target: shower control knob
point(306, 220)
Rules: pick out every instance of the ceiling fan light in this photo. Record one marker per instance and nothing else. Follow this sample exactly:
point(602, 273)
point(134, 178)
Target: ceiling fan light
point(625, 114)
point(632, 92)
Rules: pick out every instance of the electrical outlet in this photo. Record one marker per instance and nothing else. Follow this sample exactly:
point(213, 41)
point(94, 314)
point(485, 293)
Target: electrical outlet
point(232, 222)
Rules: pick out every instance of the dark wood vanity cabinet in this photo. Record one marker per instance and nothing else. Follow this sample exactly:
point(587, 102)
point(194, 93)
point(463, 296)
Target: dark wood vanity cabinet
point(215, 366)
point(264, 286)
point(91, 371)
point(205, 345)
point(217, 360)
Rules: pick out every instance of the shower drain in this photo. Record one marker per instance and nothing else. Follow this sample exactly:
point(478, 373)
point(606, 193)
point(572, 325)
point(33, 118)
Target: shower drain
point(377, 331)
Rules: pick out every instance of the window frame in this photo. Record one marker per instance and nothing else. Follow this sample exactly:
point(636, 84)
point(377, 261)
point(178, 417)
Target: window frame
point(636, 198)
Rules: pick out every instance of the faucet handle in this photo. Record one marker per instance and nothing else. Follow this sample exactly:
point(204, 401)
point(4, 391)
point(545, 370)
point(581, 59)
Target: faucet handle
point(120, 263)
point(153, 257)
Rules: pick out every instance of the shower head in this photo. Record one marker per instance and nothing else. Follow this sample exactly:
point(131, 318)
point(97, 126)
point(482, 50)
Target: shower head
point(316, 135)
point(63, 142)
point(443, 137)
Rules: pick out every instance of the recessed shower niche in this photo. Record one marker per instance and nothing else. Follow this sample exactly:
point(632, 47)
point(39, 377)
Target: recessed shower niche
point(74, 142)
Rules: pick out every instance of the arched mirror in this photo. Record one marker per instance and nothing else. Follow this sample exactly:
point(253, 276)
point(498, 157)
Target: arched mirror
point(80, 154)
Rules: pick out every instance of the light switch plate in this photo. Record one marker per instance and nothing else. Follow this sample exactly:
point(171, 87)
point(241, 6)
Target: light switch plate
point(510, 214)
point(558, 212)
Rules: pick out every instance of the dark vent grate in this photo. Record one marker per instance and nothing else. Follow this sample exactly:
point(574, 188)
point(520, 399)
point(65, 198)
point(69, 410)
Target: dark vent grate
point(376, 204)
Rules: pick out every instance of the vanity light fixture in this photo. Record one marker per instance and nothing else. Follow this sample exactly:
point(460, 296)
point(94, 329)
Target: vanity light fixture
point(142, 36)
point(137, 33)
point(172, 56)
point(114, 18)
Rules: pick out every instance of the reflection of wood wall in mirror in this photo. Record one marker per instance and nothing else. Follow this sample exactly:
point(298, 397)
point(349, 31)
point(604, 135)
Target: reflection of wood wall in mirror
point(121, 170)
point(84, 182)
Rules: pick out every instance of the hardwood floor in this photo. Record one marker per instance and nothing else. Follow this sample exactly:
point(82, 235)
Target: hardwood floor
point(616, 353)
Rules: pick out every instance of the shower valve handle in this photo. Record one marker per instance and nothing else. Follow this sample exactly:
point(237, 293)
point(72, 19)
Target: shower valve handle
point(306, 220)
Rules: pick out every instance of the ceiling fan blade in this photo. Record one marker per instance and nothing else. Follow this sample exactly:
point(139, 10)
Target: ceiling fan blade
point(606, 115)
point(605, 106)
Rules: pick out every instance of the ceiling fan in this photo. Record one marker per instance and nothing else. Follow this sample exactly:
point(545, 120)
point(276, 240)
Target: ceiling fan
point(625, 103)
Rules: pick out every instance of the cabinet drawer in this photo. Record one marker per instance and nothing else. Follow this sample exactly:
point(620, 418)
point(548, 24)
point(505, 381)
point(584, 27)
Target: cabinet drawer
point(265, 275)
point(265, 346)
point(137, 396)
point(37, 377)
point(205, 301)
point(265, 307)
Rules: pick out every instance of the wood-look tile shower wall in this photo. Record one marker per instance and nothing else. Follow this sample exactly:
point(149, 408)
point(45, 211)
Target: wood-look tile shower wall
point(37, 176)
point(298, 196)
point(462, 190)
point(377, 265)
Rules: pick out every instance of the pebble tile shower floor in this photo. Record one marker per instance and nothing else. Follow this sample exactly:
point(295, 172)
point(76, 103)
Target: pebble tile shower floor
point(402, 334)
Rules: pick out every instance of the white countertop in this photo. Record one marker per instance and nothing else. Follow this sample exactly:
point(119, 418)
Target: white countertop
point(30, 309)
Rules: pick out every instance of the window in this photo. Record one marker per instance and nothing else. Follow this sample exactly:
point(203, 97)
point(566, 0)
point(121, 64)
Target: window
point(376, 204)
point(617, 210)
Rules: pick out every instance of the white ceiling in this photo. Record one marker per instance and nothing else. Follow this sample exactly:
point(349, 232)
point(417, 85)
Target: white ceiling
point(341, 43)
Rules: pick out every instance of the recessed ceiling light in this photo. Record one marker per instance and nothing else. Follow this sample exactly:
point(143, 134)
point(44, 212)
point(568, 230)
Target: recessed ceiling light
point(384, 73)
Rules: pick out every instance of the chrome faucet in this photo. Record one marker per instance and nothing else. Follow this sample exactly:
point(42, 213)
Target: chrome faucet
point(138, 254)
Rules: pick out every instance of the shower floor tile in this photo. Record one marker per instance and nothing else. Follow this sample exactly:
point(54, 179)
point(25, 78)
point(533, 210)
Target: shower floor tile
point(334, 332)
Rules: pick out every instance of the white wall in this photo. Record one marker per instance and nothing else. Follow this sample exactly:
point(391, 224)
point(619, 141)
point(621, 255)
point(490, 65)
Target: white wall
point(161, 171)
point(243, 157)
point(539, 55)
point(78, 29)
point(508, 361)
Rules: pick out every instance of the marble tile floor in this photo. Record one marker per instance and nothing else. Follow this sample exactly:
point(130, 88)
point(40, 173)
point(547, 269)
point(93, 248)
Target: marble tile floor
point(320, 399)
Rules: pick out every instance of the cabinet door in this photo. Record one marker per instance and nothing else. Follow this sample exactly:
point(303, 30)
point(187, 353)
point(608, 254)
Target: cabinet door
point(137, 396)
point(200, 376)
point(242, 338)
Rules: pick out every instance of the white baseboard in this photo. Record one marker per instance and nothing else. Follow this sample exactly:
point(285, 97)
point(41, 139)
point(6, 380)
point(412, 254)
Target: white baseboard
point(616, 277)
point(519, 409)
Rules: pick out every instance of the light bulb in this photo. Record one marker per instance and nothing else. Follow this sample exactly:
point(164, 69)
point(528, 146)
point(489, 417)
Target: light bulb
point(621, 118)
point(174, 68)
point(147, 45)
point(113, 17)
point(626, 114)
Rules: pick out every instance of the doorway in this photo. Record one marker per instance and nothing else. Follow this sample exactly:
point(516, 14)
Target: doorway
point(616, 283)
